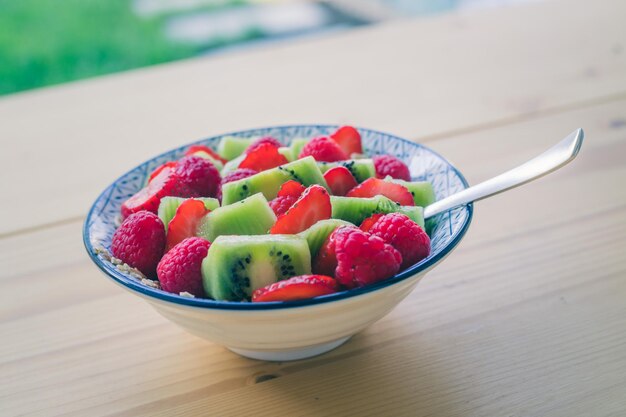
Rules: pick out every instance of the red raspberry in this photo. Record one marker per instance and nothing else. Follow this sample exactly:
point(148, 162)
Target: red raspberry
point(403, 234)
point(236, 175)
point(140, 242)
point(199, 174)
point(281, 204)
point(323, 149)
point(362, 259)
point(261, 141)
point(392, 166)
point(180, 270)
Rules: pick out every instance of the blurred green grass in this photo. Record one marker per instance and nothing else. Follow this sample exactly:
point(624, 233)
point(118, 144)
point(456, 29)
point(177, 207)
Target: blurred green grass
point(45, 42)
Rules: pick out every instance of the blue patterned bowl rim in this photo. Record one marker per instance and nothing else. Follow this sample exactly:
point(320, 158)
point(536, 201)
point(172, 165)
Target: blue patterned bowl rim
point(454, 223)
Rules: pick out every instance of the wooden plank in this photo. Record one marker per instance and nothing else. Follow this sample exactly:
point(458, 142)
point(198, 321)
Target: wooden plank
point(526, 318)
point(418, 78)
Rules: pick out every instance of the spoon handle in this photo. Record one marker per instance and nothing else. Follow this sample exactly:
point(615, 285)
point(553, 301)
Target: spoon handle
point(551, 160)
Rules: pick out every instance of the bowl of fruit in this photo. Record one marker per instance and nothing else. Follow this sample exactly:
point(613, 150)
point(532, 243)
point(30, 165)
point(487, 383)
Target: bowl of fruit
point(282, 242)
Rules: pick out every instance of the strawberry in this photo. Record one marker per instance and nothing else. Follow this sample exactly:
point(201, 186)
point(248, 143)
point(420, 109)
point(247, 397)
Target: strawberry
point(157, 170)
point(323, 149)
point(340, 180)
point(165, 183)
point(185, 222)
point(201, 148)
point(265, 156)
point(374, 186)
point(296, 288)
point(291, 188)
point(268, 139)
point(312, 206)
point(367, 224)
point(349, 139)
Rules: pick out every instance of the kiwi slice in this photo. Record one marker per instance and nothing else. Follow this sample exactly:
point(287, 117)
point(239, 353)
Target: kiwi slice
point(230, 147)
point(304, 170)
point(232, 165)
point(235, 266)
point(169, 205)
point(316, 235)
point(251, 216)
point(296, 146)
point(287, 152)
point(217, 163)
point(361, 169)
point(355, 210)
point(422, 191)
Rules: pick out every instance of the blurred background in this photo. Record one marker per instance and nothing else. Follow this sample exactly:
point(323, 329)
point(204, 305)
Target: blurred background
point(47, 42)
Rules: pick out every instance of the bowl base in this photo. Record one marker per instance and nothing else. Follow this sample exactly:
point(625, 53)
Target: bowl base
point(290, 354)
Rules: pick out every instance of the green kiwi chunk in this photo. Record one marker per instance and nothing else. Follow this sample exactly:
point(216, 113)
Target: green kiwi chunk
point(317, 234)
point(304, 170)
point(287, 152)
point(235, 266)
point(296, 146)
point(422, 191)
point(361, 169)
point(355, 210)
point(169, 205)
point(230, 147)
point(251, 216)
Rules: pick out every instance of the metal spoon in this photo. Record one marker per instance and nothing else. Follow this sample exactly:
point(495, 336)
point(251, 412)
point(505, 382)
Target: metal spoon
point(549, 161)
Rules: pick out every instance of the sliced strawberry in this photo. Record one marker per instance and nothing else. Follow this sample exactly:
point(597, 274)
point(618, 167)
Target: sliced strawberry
point(325, 262)
point(185, 222)
point(165, 183)
point(201, 148)
point(296, 288)
point(291, 188)
point(340, 180)
point(265, 156)
point(367, 224)
point(312, 206)
point(268, 139)
point(349, 139)
point(372, 187)
point(157, 171)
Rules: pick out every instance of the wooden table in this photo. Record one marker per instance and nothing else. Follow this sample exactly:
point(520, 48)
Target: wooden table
point(527, 318)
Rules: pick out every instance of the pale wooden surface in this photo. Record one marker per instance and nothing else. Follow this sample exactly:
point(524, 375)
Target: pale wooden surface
point(526, 318)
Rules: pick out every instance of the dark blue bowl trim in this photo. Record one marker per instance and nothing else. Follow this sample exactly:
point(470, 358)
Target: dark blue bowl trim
point(137, 286)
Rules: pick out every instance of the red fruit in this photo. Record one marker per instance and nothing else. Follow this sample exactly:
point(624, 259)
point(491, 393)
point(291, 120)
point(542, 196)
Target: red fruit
point(392, 166)
point(323, 149)
point(291, 188)
point(349, 139)
point(340, 180)
point(367, 224)
point(403, 234)
point(157, 171)
point(199, 174)
point(268, 139)
point(185, 222)
point(360, 258)
point(265, 156)
point(165, 183)
point(236, 175)
point(140, 241)
point(201, 148)
point(281, 204)
point(312, 206)
point(296, 288)
point(373, 186)
point(180, 269)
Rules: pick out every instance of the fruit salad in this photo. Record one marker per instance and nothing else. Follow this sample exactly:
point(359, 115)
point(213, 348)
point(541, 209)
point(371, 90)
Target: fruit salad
point(258, 221)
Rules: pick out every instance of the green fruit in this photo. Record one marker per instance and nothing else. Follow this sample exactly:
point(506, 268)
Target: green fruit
point(217, 163)
point(317, 234)
point(422, 191)
point(287, 153)
point(232, 165)
point(296, 146)
point(252, 216)
point(304, 170)
point(361, 169)
point(169, 205)
point(235, 266)
point(355, 210)
point(230, 147)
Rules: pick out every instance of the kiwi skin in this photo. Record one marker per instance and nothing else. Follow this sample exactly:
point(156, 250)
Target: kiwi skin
point(235, 266)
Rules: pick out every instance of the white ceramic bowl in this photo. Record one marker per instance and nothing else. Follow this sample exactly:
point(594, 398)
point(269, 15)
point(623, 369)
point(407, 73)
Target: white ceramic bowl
point(298, 329)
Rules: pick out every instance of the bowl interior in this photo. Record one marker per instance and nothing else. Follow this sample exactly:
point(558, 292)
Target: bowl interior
point(424, 164)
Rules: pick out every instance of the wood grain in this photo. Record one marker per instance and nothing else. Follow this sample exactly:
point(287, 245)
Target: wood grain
point(419, 78)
